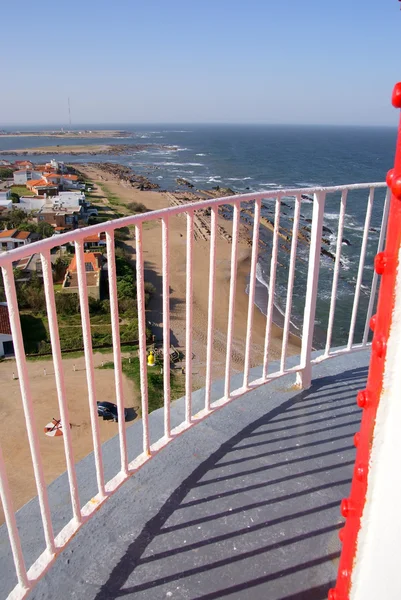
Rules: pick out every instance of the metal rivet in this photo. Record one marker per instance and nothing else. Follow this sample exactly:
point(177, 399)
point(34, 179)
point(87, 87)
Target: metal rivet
point(372, 323)
point(389, 177)
point(396, 97)
point(347, 508)
point(341, 534)
point(380, 263)
point(357, 438)
point(396, 186)
point(362, 400)
point(379, 346)
point(332, 594)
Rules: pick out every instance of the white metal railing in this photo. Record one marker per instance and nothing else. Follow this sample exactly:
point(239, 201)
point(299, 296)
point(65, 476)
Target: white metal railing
point(56, 543)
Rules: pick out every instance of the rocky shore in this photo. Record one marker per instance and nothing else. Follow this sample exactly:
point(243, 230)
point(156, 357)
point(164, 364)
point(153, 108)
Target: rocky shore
point(84, 150)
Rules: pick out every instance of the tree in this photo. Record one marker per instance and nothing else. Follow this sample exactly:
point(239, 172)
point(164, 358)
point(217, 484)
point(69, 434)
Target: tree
point(17, 217)
point(45, 229)
point(6, 173)
point(15, 197)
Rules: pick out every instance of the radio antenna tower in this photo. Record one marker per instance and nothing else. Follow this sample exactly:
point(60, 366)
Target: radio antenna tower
point(69, 111)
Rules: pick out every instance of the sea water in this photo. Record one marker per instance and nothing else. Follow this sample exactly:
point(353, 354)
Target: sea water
point(253, 158)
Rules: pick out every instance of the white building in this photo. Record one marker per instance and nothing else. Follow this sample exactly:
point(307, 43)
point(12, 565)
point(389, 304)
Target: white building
point(12, 238)
point(5, 200)
point(6, 339)
point(68, 200)
point(31, 203)
point(24, 175)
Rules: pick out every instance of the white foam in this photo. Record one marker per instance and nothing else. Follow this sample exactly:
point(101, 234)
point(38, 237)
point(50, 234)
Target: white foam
point(177, 164)
point(307, 184)
point(200, 154)
point(238, 178)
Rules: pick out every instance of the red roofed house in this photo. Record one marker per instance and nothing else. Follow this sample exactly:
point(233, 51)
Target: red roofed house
point(12, 238)
point(40, 187)
point(93, 270)
point(6, 339)
point(95, 240)
point(23, 164)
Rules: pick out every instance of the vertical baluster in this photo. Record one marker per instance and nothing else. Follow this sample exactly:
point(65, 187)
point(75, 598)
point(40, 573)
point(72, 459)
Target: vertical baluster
point(252, 282)
point(9, 514)
point(60, 385)
point(231, 306)
point(188, 333)
point(360, 268)
point(272, 287)
point(336, 271)
point(375, 277)
point(27, 403)
point(304, 377)
point(210, 324)
point(90, 373)
point(290, 285)
point(166, 325)
point(115, 330)
point(140, 290)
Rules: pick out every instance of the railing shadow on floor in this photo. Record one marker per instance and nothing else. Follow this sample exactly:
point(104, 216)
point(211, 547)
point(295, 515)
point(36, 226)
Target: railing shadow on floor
point(251, 522)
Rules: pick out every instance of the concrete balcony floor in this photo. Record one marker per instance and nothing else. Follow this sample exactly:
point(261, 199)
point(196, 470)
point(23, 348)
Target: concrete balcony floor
point(244, 505)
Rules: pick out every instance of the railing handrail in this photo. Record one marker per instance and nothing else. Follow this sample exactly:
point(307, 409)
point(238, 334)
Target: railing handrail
point(55, 543)
point(78, 234)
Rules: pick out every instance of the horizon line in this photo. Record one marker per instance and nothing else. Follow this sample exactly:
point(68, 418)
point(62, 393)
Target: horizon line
point(72, 127)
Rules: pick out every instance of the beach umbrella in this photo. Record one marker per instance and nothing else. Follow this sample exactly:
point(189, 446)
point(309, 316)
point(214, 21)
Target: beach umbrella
point(54, 429)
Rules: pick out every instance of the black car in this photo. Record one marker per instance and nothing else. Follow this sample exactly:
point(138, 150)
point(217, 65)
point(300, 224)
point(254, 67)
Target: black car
point(109, 412)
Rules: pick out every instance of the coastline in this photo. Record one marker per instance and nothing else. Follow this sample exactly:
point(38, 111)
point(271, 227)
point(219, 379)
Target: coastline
point(126, 193)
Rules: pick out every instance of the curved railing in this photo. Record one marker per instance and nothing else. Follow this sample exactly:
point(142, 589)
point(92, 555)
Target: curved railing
point(255, 203)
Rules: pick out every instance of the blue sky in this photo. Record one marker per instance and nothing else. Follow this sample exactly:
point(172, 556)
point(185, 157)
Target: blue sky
point(239, 61)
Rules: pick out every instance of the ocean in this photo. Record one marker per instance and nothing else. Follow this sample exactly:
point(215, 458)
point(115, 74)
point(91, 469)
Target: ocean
point(251, 158)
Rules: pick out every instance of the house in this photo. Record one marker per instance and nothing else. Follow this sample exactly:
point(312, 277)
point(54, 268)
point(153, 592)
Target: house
point(56, 166)
point(93, 270)
point(66, 217)
point(23, 164)
point(70, 199)
point(95, 241)
point(5, 163)
point(12, 238)
point(31, 203)
point(40, 186)
point(5, 201)
point(22, 176)
point(27, 266)
point(6, 338)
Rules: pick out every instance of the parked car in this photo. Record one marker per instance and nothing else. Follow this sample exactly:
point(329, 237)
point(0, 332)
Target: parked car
point(109, 411)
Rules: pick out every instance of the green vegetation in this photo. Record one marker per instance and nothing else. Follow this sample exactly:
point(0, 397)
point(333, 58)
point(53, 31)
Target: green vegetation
point(15, 198)
point(6, 173)
point(137, 207)
point(112, 198)
point(131, 369)
point(34, 322)
point(21, 190)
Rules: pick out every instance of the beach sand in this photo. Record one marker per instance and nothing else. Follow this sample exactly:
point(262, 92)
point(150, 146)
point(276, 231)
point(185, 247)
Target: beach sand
point(13, 436)
point(12, 428)
point(177, 244)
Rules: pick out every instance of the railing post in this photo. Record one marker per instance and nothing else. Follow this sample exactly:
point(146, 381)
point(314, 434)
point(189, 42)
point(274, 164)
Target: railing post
point(304, 376)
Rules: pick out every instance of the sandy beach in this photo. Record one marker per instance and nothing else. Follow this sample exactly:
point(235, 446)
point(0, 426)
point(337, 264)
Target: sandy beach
point(41, 373)
point(14, 439)
point(177, 243)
